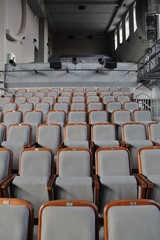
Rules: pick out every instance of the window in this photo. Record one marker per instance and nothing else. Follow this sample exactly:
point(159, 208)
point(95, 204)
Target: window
point(134, 18)
point(115, 40)
point(127, 29)
point(120, 33)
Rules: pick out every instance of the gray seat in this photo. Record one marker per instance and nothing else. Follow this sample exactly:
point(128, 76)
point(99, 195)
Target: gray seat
point(135, 136)
point(40, 94)
point(74, 175)
point(19, 100)
point(50, 100)
point(25, 107)
point(132, 219)
point(66, 93)
point(33, 118)
point(105, 93)
point(21, 91)
point(123, 98)
point(117, 93)
point(33, 90)
point(4, 100)
point(18, 136)
point(94, 106)
point(78, 93)
point(5, 165)
point(53, 94)
point(91, 93)
point(78, 99)
point(98, 116)
point(2, 133)
point(107, 98)
point(77, 117)
point(49, 136)
point(64, 106)
point(91, 98)
point(131, 106)
point(77, 106)
point(58, 117)
point(9, 107)
point(34, 100)
point(119, 117)
point(113, 89)
point(154, 132)
point(103, 135)
point(12, 117)
point(28, 94)
point(149, 166)
point(114, 173)
point(44, 108)
point(64, 99)
point(16, 219)
point(76, 135)
point(35, 177)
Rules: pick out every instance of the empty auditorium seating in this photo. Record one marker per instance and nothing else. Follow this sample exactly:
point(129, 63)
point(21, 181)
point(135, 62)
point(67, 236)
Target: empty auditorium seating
point(64, 106)
point(74, 175)
point(44, 108)
point(28, 94)
point(131, 106)
point(12, 117)
point(50, 100)
point(18, 136)
point(16, 219)
point(77, 117)
point(134, 135)
point(19, 100)
point(4, 100)
point(35, 179)
point(91, 98)
point(78, 99)
point(122, 98)
point(34, 100)
point(76, 135)
point(98, 116)
point(116, 181)
point(64, 99)
point(68, 219)
point(132, 219)
point(9, 107)
point(149, 167)
point(111, 106)
point(78, 106)
point(154, 132)
point(94, 106)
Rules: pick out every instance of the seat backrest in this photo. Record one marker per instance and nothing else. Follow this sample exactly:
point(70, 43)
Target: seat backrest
point(154, 132)
point(4, 100)
point(111, 106)
point(68, 89)
point(78, 93)
point(112, 89)
point(76, 132)
point(21, 91)
point(68, 219)
point(65, 93)
point(19, 100)
point(36, 162)
point(92, 99)
point(132, 219)
point(103, 132)
point(6, 157)
point(44, 107)
point(98, 116)
point(20, 132)
point(92, 93)
point(74, 162)
point(34, 90)
point(49, 136)
point(104, 94)
point(106, 99)
point(28, 94)
point(24, 107)
point(45, 90)
point(9, 107)
point(79, 89)
point(33, 117)
point(131, 131)
point(2, 133)
point(78, 99)
point(94, 106)
point(112, 161)
point(120, 116)
point(141, 116)
point(90, 89)
point(149, 160)
point(61, 106)
point(131, 106)
point(34, 99)
point(52, 94)
point(116, 93)
point(77, 117)
point(125, 90)
point(40, 94)
point(16, 219)
point(63, 99)
point(78, 106)
point(58, 116)
point(122, 98)
point(58, 90)
point(47, 99)
point(11, 117)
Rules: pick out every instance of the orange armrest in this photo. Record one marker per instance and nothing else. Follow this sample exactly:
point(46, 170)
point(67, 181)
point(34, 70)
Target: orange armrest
point(51, 182)
point(149, 183)
point(34, 144)
point(5, 179)
point(155, 143)
point(140, 181)
point(7, 183)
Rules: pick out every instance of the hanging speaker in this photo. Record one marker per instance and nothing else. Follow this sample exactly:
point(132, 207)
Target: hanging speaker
point(56, 65)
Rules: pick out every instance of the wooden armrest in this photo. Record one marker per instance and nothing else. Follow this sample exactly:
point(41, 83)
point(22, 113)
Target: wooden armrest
point(124, 144)
point(34, 144)
point(155, 143)
point(92, 144)
point(5, 179)
point(148, 182)
point(96, 189)
point(50, 186)
point(142, 184)
point(6, 184)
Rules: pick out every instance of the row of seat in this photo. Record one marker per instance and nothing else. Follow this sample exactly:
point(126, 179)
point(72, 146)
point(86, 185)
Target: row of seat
point(74, 178)
point(70, 220)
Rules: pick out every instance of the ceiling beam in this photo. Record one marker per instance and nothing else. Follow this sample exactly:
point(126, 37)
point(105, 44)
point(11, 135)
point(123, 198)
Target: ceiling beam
point(71, 2)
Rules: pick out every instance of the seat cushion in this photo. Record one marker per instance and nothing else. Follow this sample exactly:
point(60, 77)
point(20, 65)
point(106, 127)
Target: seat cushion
point(115, 188)
point(77, 144)
point(32, 189)
point(155, 193)
point(101, 144)
point(77, 188)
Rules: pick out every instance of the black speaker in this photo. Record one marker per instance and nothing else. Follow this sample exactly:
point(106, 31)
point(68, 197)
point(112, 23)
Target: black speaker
point(151, 20)
point(56, 65)
point(151, 34)
point(110, 65)
point(151, 27)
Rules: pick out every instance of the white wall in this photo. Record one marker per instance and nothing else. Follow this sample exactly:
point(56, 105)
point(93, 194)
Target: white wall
point(24, 52)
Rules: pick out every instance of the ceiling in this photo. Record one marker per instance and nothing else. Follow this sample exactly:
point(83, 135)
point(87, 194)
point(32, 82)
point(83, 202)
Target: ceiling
point(86, 18)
